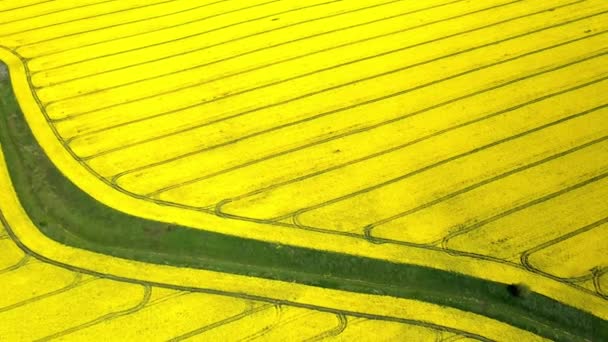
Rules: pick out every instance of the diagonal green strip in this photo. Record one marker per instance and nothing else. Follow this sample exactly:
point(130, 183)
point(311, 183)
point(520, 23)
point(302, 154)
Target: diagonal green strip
point(66, 214)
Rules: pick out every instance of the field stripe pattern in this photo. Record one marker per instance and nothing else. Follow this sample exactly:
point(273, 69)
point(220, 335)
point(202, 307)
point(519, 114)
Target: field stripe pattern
point(48, 296)
point(476, 128)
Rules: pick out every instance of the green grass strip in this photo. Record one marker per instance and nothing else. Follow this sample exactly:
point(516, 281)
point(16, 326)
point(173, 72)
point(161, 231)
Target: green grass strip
point(68, 215)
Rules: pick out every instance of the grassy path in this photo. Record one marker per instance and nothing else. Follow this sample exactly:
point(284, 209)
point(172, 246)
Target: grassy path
point(66, 214)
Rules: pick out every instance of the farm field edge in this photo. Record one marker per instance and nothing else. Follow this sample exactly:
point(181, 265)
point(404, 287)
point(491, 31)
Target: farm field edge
point(601, 323)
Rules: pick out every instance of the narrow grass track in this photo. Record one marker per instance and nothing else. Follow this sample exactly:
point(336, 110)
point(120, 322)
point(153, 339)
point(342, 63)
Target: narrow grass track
point(66, 214)
point(464, 136)
point(48, 295)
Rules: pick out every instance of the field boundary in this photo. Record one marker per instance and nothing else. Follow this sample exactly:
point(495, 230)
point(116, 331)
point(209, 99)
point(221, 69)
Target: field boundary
point(70, 169)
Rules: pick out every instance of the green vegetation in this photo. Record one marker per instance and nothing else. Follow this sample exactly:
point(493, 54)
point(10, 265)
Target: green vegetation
point(68, 215)
point(518, 290)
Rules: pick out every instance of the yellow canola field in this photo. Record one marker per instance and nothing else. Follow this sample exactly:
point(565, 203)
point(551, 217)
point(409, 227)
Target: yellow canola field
point(32, 281)
point(589, 284)
point(507, 237)
point(602, 286)
point(424, 186)
point(576, 256)
point(95, 300)
point(247, 90)
point(299, 124)
point(11, 256)
point(273, 323)
point(362, 330)
point(44, 301)
point(169, 317)
point(219, 71)
point(328, 328)
point(55, 309)
point(332, 115)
